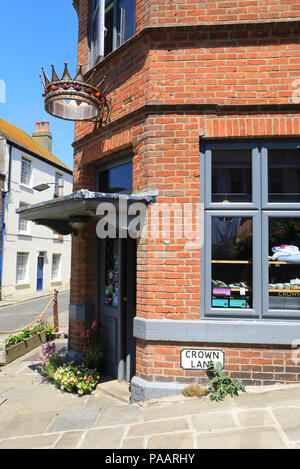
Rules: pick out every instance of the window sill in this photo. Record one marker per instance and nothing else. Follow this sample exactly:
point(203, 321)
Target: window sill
point(27, 235)
point(209, 331)
point(56, 282)
point(23, 285)
point(24, 186)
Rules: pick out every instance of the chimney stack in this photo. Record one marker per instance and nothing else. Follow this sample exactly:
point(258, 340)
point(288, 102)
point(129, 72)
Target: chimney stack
point(42, 136)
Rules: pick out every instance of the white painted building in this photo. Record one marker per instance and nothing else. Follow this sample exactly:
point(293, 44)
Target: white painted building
point(34, 260)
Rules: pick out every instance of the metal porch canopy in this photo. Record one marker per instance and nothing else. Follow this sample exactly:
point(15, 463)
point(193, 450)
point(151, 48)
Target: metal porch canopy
point(57, 213)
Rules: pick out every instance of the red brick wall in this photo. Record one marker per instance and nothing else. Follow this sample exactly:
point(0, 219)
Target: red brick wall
point(233, 65)
point(83, 57)
point(164, 12)
point(254, 365)
point(169, 88)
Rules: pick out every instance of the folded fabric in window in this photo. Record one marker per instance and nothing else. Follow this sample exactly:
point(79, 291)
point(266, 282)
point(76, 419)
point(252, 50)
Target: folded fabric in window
point(286, 253)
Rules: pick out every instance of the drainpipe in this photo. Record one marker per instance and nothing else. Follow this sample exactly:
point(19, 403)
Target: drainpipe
point(2, 238)
point(4, 193)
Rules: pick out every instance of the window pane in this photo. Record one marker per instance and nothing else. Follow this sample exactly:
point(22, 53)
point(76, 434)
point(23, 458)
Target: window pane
point(25, 171)
point(231, 176)
point(22, 259)
point(58, 177)
point(117, 179)
point(284, 263)
point(231, 281)
point(126, 19)
point(23, 224)
point(55, 266)
point(284, 175)
point(108, 31)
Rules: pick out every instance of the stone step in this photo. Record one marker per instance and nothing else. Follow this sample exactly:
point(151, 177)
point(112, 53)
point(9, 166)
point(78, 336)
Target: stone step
point(118, 390)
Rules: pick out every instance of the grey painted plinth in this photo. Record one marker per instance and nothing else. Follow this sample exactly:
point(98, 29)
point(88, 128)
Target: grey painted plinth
point(142, 390)
point(75, 357)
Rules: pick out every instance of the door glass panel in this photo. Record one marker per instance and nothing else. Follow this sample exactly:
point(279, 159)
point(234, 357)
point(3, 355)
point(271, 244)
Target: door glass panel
point(231, 283)
point(111, 287)
point(284, 175)
point(284, 263)
point(231, 176)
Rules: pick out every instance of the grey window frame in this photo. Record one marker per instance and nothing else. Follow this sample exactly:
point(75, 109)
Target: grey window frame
point(208, 179)
point(260, 209)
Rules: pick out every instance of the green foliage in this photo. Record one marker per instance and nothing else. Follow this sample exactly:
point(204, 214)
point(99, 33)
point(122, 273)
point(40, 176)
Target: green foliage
point(93, 345)
point(76, 379)
point(28, 332)
point(221, 385)
point(66, 375)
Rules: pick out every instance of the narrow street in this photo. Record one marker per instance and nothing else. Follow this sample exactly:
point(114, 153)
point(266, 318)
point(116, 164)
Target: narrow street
point(19, 315)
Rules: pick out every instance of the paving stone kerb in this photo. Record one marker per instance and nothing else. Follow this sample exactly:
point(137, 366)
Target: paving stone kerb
point(37, 415)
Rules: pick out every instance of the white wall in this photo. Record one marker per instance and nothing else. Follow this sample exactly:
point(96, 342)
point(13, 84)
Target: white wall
point(37, 238)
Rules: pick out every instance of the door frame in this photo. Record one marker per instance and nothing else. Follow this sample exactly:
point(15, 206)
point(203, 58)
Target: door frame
point(121, 366)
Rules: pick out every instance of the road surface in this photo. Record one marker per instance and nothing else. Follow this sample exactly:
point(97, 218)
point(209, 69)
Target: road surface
point(19, 315)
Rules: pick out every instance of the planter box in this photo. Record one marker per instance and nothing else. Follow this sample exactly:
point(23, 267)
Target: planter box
point(15, 351)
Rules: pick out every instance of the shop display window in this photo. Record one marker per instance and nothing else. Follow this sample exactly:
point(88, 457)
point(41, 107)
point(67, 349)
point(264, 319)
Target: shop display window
point(284, 263)
point(251, 261)
point(231, 268)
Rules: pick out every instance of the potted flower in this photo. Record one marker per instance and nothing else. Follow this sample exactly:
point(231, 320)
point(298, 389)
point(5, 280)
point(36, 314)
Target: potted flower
point(93, 346)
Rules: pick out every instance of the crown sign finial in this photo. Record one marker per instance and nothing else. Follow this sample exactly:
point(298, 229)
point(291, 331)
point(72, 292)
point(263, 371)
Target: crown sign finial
point(47, 81)
point(55, 77)
point(74, 99)
point(66, 75)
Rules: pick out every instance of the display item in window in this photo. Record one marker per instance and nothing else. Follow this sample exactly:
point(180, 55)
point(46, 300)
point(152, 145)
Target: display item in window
point(286, 253)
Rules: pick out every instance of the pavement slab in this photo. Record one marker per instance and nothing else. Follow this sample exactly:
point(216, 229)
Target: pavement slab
point(134, 443)
point(288, 419)
point(171, 441)
point(20, 425)
point(119, 415)
point(211, 421)
point(69, 440)
point(35, 442)
point(242, 438)
point(74, 419)
point(254, 418)
point(159, 426)
point(104, 438)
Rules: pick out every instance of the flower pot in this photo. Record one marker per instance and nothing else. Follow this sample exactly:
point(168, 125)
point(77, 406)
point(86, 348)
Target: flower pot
point(35, 341)
point(15, 351)
point(12, 352)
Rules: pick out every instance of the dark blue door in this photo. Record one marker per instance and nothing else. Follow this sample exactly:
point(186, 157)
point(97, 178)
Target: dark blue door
point(40, 273)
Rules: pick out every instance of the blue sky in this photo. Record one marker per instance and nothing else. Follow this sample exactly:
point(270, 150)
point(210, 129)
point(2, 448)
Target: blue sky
point(35, 34)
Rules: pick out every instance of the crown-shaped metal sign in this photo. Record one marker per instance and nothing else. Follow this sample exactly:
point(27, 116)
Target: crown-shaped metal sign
point(75, 99)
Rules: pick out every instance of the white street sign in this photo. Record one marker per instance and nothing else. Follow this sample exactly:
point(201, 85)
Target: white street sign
point(198, 359)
